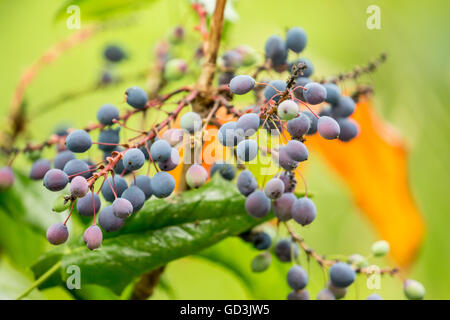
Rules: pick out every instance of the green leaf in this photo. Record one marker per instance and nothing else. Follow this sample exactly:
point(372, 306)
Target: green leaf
point(102, 9)
point(162, 231)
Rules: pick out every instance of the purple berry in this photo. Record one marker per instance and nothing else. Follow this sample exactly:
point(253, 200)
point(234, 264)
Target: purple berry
point(246, 183)
point(296, 150)
point(122, 208)
point(87, 204)
point(57, 233)
point(314, 93)
point(79, 187)
point(196, 176)
point(303, 211)
point(299, 126)
point(6, 178)
point(55, 180)
point(274, 188)
point(282, 206)
point(328, 128)
point(39, 169)
point(108, 221)
point(93, 237)
point(242, 84)
point(78, 141)
point(257, 204)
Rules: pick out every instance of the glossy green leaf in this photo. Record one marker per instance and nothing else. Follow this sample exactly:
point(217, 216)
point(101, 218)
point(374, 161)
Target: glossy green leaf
point(162, 231)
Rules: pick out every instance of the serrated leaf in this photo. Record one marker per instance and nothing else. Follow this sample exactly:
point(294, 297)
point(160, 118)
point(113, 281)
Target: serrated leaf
point(162, 231)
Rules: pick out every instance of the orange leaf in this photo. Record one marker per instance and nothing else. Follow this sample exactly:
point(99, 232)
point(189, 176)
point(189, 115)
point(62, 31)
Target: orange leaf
point(374, 166)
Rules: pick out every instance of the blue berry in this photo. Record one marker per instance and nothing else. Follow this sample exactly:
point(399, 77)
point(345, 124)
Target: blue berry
point(108, 221)
point(276, 51)
point(114, 53)
point(314, 93)
point(299, 126)
point(313, 122)
point(274, 188)
point(333, 93)
point(348, 129)
point(110, 138)
point(342, 275)
point(296, 150)
point(344, 107)
point(246, 183)
point(162, 184)
point(119, 185)
point(285, 161)
point(282, 206)
point(285, 249)
point(144, 149)
point(328, 128)
point(191, 122)
point(134, 159)
point(247, 150)
point(57, 233)
point(39, 169)
point(87, 204)
point(298, 295)
point(270, 92)
point(306, 71)
point(303, 211)
point(226, 170)
point(55, 180)
point(93, 237)
point(227, 134)
point(136, 97)
point(297, 278)
point(325, 294)
point(107, 113)
point(170, 163)
point(247, 125)
point(296, 39)
point(262, 241)
point(374, 296)
point(257, 204)
point(136, 196)
point(78, 141)
point(145, 184)
point(62, 158)
point(160, 150)
point(79, 187)
point(231, 60)
point(76, 167)
point(122, 208)
point(242, 84)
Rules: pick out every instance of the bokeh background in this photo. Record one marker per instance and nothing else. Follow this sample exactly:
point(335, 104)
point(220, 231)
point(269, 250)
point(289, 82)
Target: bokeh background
point(411, 93)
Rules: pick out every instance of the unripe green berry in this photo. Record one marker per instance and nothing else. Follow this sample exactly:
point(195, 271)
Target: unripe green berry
point(358, 261)
point(380, 248)
point(61, 204)
point(413, 290)
point(175, 69)
point(261, 262)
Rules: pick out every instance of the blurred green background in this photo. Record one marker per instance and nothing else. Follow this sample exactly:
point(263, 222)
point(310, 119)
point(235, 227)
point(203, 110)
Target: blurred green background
point(411, 92)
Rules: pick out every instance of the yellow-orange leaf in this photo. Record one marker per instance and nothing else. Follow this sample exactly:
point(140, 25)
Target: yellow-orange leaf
point(374, 167)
